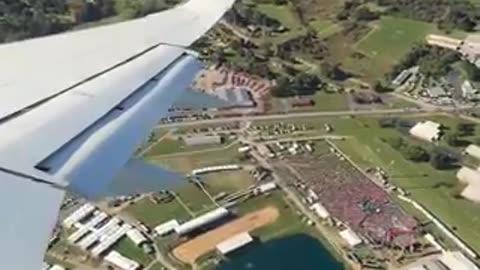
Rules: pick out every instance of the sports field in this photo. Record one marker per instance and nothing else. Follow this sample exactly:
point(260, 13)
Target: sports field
point(389, 41)
point(191, 250)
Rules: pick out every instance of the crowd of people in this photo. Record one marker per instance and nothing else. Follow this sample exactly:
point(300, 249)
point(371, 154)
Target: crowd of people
point(355, 200)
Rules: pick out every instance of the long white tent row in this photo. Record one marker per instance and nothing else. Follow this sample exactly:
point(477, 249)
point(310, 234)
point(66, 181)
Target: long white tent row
point(202, 220)
point(166, 227)
point(211, 169)
point(136, 236)
point(78, 215)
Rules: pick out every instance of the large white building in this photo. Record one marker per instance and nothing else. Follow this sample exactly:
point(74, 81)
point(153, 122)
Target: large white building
point(202, 220)
point(235, 242)
point(120, 261)
point(321, 211)
point(426, 130)
point(78, 215)
point(472, 179)
point(167, 227)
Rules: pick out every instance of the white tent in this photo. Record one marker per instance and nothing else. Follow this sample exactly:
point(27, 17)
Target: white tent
point(472, 179)
point(320, 210)
point(457, 261)
point(473, 150)
point(427, 130)
point(351, 237)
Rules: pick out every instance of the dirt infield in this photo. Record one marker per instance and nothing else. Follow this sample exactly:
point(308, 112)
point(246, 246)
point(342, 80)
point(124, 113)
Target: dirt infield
point(189, 251)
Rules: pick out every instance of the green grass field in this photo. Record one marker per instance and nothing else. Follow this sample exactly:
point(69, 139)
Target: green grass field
point(325, 27)
point(387, 44)
point(323, 102)
point(283, 14)
point(185, 163)
point(228, 182)
point(171, 146)
point(128, 249)
point(154, 214)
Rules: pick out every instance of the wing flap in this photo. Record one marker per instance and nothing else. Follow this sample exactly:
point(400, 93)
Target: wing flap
point(91, 160)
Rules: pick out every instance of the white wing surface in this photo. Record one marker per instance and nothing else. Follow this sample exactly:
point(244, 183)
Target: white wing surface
point(75, 106)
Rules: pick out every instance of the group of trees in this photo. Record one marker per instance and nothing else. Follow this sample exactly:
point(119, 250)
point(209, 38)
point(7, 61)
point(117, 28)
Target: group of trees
point(302, 84)
point(25, 19)
point(354, 10)
point(439, 159)
point(308, 44)
point(448, 14)
point(244, 16)
point(455, 138)
point(433, 61)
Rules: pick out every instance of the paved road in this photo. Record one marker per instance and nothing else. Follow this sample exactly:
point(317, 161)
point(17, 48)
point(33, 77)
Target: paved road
point(306, 114)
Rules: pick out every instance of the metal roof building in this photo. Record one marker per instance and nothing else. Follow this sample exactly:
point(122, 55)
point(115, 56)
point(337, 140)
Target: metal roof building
point(235, 242)
point(57, 267)
point(351, 237)
point(136, 236)
point(74, 237)
point(167, 227)
point(120, 261)
point(78, 215)
point(267, 187)
point(427, 130)
point(202, 220)
point(110, 240)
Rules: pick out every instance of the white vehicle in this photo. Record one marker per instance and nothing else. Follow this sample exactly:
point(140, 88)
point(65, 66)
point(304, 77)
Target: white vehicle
point(74, 108)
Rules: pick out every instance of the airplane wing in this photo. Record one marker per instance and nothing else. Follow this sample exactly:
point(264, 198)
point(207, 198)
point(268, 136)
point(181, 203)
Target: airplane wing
point(75, 106)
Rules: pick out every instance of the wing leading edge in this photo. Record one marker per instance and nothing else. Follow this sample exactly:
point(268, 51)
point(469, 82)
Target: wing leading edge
point(74, 125)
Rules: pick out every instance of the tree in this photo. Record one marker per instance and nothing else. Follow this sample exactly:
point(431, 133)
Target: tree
point(472, 72)
point(452, 139)
point(415, 153)
point(333, 72)
point(365, 14)
point(441, 160)
point(282, 88)
point(465, 129)
point(379, 87)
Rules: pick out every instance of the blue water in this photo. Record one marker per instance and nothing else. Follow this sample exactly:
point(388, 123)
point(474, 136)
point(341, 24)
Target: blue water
point(298, 252)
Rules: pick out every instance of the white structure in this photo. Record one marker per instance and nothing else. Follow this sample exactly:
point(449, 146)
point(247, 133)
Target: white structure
point(427, 130)
point(120, 261)
point(469, 91)
point(235, 242)
point(167, 227)
point(232, 167)
point(84, 229)
point(351, 237)
point(78, 215)
point(470, 48)
point(267, 187)
point(473, 150)
point(202, 220)
point(108, 240)
point(57, 267)
point(320, 210)
point(237, 97)
point(136, 236)
point(193, 140)
point(472, 179)
point(457, 261)
point(444, 42)
point(244, 149)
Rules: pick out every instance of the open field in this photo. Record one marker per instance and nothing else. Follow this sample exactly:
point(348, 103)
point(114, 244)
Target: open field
point(154, 214)
point(171, 146)
point(190, 251)
point(323, 102)
point(127, 248)
point(186, 162)
point(194, 198)
point(387, 44)
point(325, 27)
point(228, 182)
